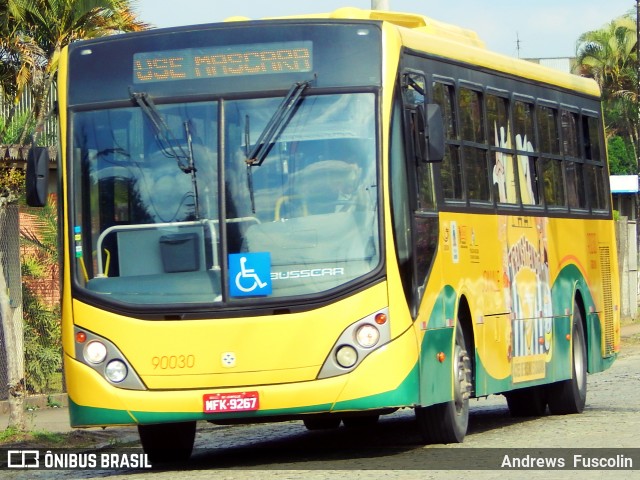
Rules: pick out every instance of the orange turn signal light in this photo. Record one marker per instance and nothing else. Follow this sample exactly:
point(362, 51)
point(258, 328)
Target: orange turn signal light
point(381, 318)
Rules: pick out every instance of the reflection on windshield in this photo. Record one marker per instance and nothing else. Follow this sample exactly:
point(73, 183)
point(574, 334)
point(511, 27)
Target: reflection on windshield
point(315, 193)
point(144, 233)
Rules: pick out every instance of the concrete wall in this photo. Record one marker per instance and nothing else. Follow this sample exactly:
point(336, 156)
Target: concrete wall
point(627, 244)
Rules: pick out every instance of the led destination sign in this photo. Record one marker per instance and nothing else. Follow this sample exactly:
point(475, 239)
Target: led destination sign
point(225, 61)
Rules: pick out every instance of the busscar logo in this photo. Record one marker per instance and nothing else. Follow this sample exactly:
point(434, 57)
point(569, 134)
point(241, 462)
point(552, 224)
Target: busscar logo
point(23, 459)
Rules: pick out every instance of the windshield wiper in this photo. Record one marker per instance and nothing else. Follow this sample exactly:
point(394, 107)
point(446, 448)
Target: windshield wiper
point(276, 124)
point(271, 132)
point(167, 143)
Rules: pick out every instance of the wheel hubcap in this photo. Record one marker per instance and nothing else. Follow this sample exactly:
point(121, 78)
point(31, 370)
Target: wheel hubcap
point(462, 372)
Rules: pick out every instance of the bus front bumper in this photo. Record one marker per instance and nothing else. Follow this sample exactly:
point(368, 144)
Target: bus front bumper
point(387, 378)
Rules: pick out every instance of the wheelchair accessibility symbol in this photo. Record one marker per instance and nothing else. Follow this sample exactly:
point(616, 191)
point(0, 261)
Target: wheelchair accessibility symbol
point(250, 274)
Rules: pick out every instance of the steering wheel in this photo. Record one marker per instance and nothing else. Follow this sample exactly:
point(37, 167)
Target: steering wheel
point(284, 199)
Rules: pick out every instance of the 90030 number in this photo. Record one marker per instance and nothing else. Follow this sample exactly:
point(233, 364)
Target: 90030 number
point(172, 362)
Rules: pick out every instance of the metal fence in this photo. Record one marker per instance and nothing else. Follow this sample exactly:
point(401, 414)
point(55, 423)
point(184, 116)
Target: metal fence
point(30, 341)
point(26, 104)
point(31, 350)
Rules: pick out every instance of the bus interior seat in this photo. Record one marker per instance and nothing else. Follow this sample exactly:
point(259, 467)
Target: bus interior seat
point(158, 251)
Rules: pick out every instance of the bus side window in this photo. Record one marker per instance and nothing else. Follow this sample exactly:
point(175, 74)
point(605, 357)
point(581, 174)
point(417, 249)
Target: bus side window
point(501, 148)
point(573, 163)
point(548, 134)
point(525, 149)
point(553, 183)
point(594, 171)
point(451, 168)
point(548, 164)
point(475, 161)
point(591, 136)
point(414, 102)
point(594, 181)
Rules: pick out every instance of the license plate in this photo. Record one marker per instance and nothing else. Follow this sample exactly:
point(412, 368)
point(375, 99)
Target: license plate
point(230, 402)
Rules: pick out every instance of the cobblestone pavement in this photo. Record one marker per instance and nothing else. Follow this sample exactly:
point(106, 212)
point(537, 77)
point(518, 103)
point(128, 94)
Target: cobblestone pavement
point(392, 450)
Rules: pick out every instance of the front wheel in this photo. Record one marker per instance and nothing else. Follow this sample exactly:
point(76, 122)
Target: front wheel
point(570, 396)
point(321, 422)
point(361, 422)
point(448, 422)
point(168, 442)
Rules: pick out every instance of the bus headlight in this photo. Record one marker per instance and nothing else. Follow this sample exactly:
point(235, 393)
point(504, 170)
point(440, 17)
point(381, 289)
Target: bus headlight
point(346, 356)
point(356, 342)
point(116, 371)
point(104, 358)
point(367, 335)
point(95, 352)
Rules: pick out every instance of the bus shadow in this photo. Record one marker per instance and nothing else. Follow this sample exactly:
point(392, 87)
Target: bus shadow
point(386, 445)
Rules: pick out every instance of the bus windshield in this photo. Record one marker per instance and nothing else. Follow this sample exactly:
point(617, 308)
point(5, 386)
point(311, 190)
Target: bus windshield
point(170, 211)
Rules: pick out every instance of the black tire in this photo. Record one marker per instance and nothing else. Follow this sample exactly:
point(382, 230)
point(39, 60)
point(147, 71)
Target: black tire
point(527, 402)
point(570, 396)
point(168, 442)
point(361, 422)
point(448, 422)
point(322, 422)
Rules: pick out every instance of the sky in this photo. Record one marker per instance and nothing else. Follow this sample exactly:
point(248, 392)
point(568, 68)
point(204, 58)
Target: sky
point(524, 28)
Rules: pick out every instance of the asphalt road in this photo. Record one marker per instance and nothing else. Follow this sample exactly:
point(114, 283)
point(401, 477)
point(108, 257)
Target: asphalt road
point(393, 449)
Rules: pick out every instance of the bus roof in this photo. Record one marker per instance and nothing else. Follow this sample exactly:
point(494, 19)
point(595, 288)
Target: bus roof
point(406, 20)
point(444, 40)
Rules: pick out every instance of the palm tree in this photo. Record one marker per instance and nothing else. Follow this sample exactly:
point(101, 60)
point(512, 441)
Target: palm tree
point(610, 56)
point(19, 56)
point(34, 32)
point(54, 24)
point(42, 342)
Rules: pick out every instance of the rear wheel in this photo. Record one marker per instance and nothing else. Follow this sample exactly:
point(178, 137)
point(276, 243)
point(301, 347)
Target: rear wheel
point(168, 442)
point(570, 396)
point(527, 402)
point(448, 422)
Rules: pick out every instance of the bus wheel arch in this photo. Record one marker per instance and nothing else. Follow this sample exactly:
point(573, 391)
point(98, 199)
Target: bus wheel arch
point(448, 422)
point(569, 396)
point(579, 304)
point(465, 322)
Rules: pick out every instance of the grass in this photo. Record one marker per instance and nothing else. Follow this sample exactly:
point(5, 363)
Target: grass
point(14, 437)
point(76, 439)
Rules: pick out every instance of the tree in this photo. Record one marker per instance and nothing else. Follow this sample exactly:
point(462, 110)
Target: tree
point(54, 24)
point(42, 340)
point(621, 156)
point(34, 32)
point(19, 55)
point(610, 56)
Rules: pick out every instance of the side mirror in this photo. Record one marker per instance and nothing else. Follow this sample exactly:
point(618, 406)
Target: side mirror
point(435, 133)
point(37, 177)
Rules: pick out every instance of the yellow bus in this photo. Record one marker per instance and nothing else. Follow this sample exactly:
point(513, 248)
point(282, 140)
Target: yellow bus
point(326, 218)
